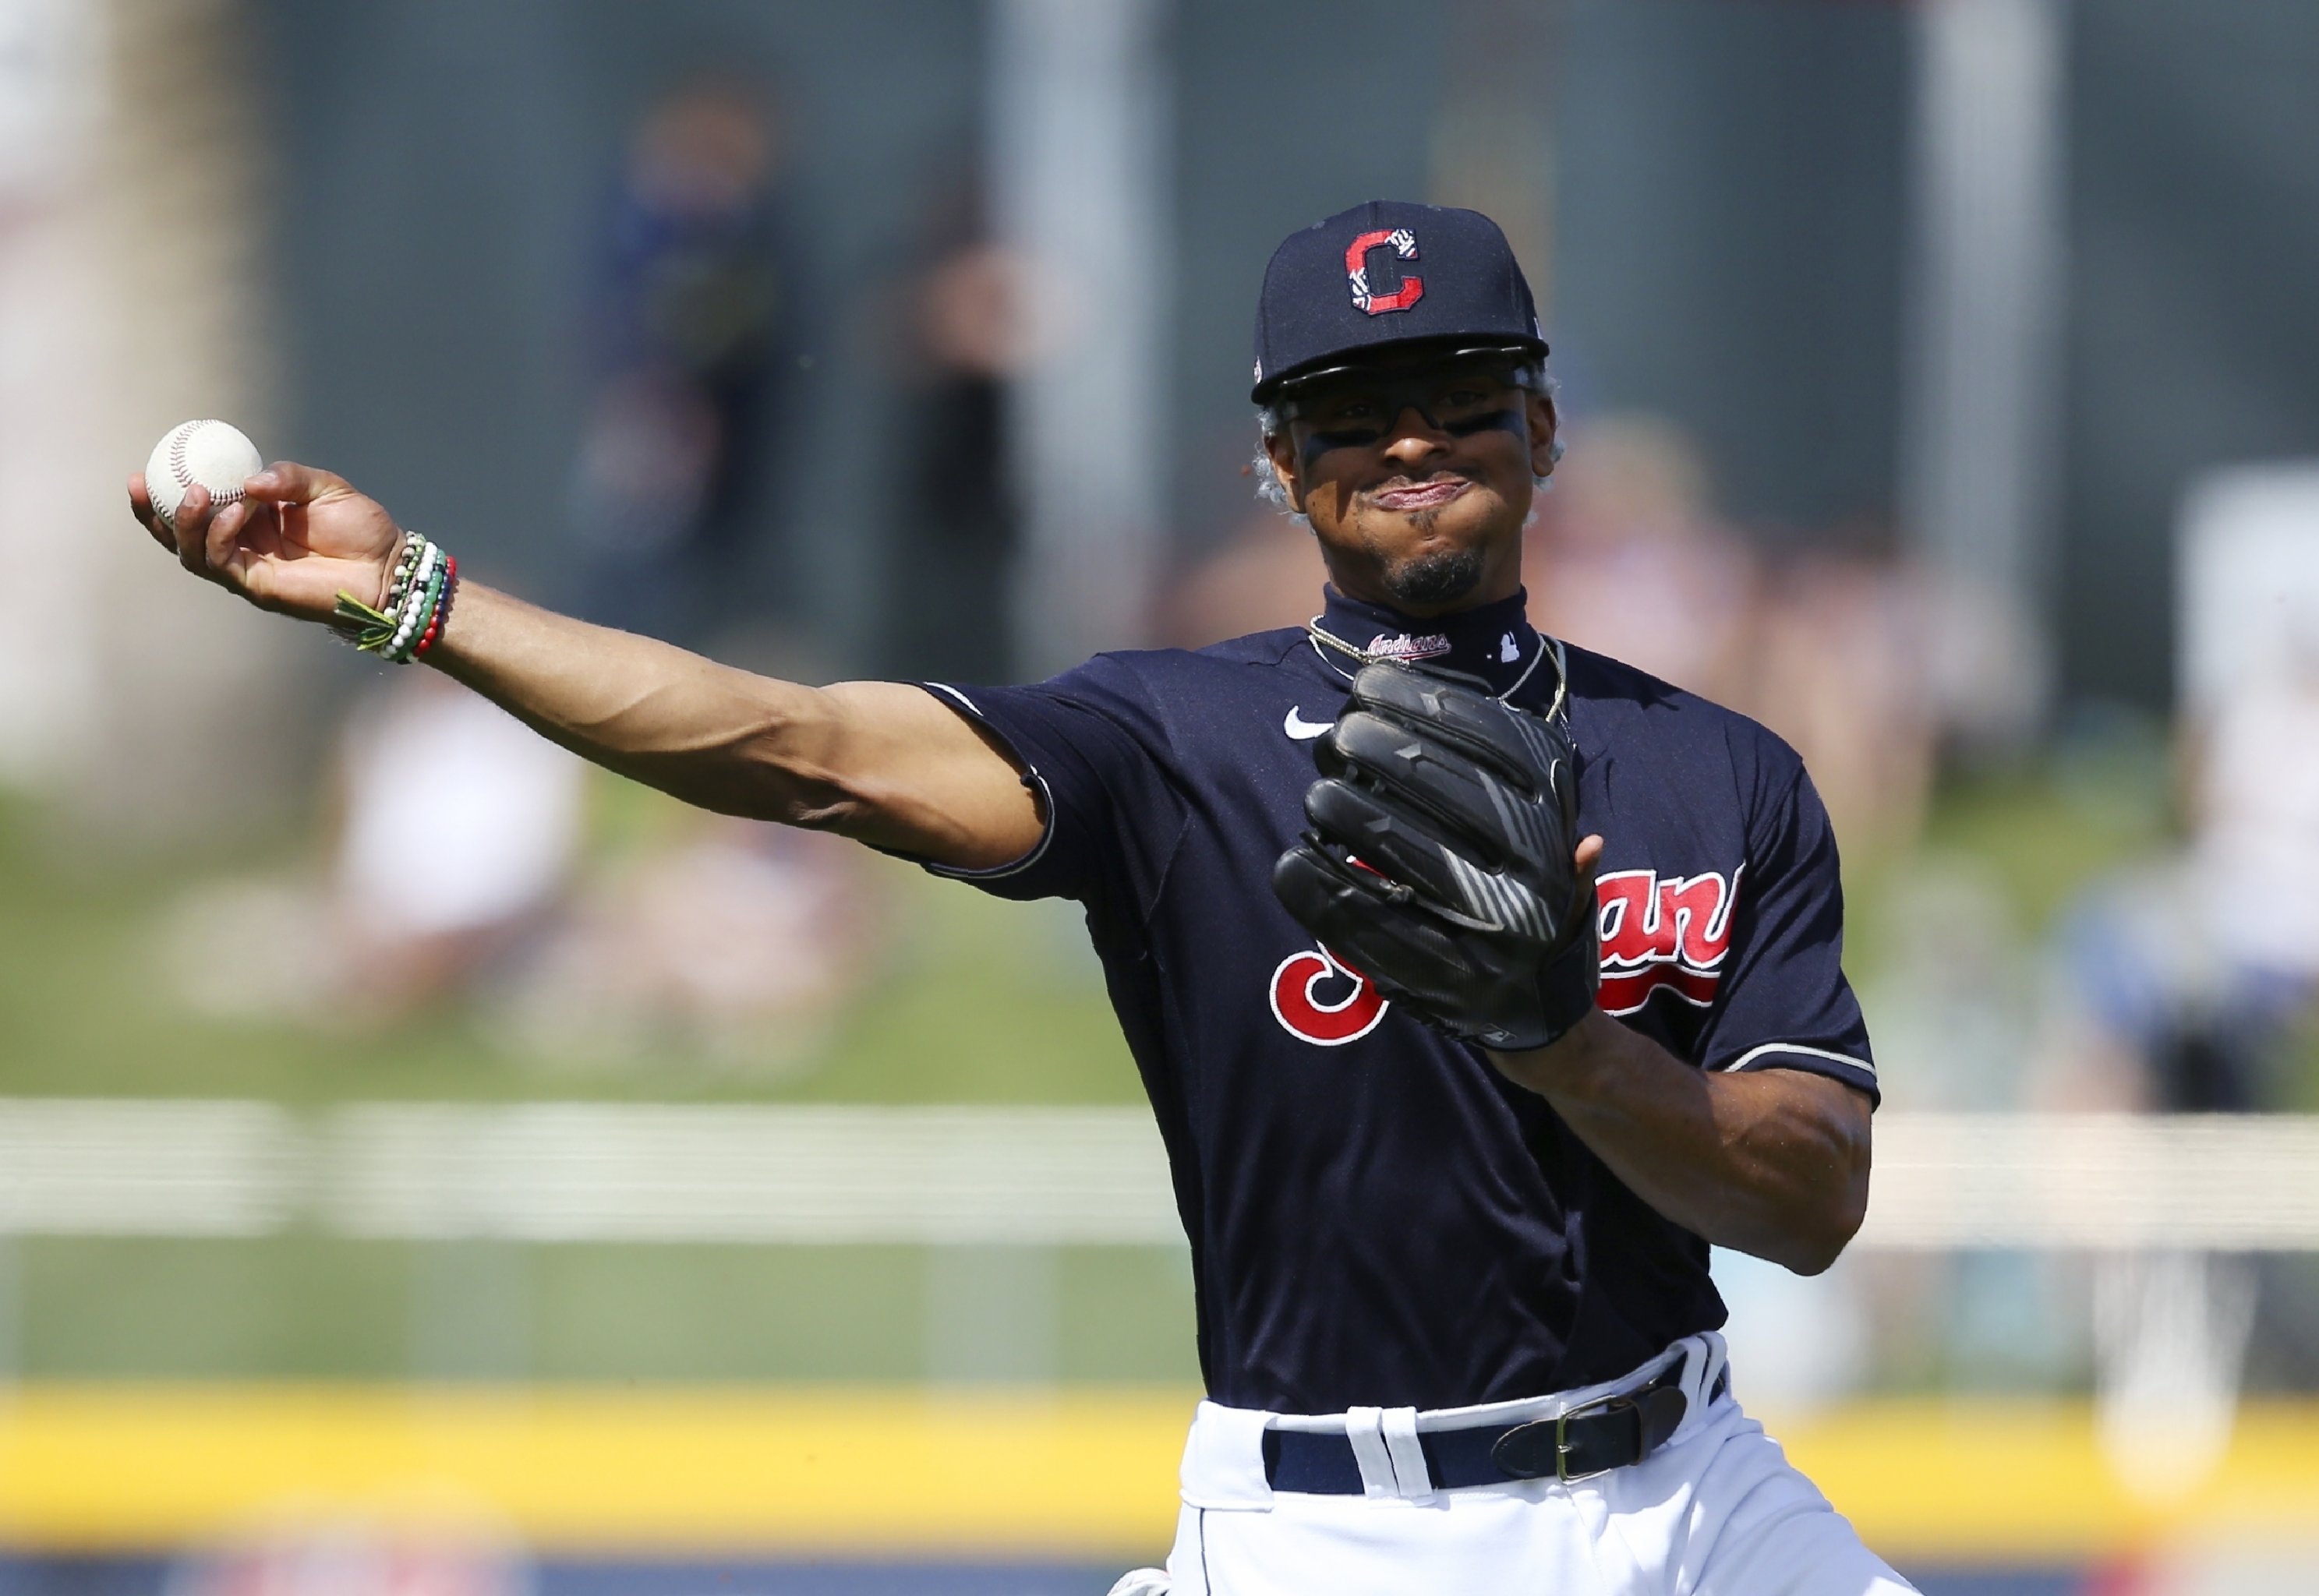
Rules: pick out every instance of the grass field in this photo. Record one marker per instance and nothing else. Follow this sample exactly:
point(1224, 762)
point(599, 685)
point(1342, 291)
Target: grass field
point(976, 1001)
point(320, 1307)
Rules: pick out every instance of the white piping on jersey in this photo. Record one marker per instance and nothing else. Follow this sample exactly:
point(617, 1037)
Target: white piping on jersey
point(1046, 806)
point(1752, 1054)
point(1317, 634)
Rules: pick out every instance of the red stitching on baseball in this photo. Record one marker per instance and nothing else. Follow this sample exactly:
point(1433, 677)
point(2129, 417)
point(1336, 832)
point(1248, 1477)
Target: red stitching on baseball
point(183, 472)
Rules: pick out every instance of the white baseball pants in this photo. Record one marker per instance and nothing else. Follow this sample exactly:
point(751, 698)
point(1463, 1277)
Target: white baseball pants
point(1715, 1512)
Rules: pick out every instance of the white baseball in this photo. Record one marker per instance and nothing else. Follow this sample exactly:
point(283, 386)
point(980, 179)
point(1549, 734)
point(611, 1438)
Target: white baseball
point(213, 453)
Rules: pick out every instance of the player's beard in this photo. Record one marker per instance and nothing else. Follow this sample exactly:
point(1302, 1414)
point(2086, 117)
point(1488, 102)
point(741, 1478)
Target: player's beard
point(1439, 576)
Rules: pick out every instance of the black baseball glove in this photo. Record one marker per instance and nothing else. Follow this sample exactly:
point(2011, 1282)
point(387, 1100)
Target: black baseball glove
point(1438, 862)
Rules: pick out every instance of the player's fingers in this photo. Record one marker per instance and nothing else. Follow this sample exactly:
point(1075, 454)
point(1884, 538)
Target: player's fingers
point(1348, 909)
point(285, 481)
point(140, 505)
point(1589, 860)
point(1387, 840)
point(1470, 721)
point(191, 524)
point(1375, 752)
point(225, 529)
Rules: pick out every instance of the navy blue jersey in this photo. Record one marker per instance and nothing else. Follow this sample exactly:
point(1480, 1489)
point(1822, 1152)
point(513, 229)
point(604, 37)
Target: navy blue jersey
point(1376, 1215)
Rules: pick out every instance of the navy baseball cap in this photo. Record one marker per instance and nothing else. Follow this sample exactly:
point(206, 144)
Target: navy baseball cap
point(1386, 273)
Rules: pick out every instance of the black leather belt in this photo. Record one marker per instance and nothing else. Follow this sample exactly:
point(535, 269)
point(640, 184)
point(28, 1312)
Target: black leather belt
point(1591, 1438)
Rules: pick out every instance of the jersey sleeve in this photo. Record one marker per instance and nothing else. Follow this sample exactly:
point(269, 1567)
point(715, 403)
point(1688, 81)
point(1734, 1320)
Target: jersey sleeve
point(1784, 1002)
point(1092, 748)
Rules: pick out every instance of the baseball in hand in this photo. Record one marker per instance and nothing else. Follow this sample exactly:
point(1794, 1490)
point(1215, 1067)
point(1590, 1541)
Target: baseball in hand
point(213, 453)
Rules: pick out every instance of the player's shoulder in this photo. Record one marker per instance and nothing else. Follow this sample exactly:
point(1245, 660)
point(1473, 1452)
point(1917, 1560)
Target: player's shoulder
point(1163, 695)
point(1160, 673)
point(1637, 716)
point(1257, 649)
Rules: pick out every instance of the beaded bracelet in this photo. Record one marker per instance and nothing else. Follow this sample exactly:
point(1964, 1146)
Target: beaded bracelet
point(417, 598)
point(406, 566)
point(442, 613)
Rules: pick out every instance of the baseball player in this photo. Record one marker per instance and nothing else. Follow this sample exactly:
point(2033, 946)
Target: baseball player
point(1479, 983)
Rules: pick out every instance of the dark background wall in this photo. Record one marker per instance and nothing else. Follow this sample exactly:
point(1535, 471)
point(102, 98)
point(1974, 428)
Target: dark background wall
point(1728, 230)
point(1727, 220)
point(1729, 224)
point(443, 167)
point(1285, 113)
point(2194, 311)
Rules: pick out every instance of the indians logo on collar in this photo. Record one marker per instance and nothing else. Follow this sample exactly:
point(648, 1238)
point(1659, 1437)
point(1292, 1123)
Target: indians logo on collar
point(1403, 244)
point(1403, 647)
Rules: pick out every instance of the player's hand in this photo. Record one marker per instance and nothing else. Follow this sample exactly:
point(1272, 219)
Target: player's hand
point(295, 540)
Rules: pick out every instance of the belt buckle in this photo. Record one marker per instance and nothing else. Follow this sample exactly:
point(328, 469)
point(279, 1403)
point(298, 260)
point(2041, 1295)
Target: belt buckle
point(1561, 1447)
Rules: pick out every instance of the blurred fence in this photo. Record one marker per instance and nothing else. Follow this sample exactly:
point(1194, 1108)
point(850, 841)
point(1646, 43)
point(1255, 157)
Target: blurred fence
point(1064, 1176)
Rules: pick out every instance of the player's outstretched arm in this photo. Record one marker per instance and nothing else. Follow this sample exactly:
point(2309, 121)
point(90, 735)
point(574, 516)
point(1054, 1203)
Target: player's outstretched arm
point(879, 761)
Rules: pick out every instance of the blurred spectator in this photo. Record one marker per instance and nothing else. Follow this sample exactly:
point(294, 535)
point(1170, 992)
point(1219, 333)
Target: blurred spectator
point(456, 874)
point(456, 831)
point(1266, 574)
point(350, 1558)
point(737, 939)
point(461, 827)
point(2189, 974)
point(1837, 669)
point(964, 333)
point(2255, 823)
point(689, 339)
point(1626, 558)
point(1954, 995)
point(2146, 1020)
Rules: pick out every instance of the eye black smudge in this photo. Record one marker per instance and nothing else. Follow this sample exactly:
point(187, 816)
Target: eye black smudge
point(1508, 420)
point(1318, 444)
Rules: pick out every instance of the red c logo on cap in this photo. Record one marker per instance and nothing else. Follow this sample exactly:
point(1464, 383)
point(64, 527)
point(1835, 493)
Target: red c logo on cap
point(1403, 244)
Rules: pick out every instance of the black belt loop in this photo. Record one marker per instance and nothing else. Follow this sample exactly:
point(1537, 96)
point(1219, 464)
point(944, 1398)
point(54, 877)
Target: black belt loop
point(1591, 1438)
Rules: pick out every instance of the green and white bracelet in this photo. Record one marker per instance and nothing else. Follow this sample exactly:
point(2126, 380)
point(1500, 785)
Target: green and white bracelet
point(418, 602)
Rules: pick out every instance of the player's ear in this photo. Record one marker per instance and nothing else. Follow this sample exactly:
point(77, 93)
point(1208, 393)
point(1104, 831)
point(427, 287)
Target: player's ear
point(1544, 425)
point(1283, 455)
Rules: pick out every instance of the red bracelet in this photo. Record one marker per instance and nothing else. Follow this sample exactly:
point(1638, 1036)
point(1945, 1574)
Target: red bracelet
point(442, 607)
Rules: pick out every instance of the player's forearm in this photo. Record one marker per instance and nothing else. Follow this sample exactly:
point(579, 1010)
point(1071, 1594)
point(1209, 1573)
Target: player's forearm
point(883, 762)
point(1771, 1162)
point(717, 737)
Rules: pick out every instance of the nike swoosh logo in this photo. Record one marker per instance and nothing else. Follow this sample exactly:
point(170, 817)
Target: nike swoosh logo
point(1302, 729)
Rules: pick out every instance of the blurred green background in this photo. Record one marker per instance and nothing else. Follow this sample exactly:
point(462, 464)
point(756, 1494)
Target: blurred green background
point(976, 1001)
